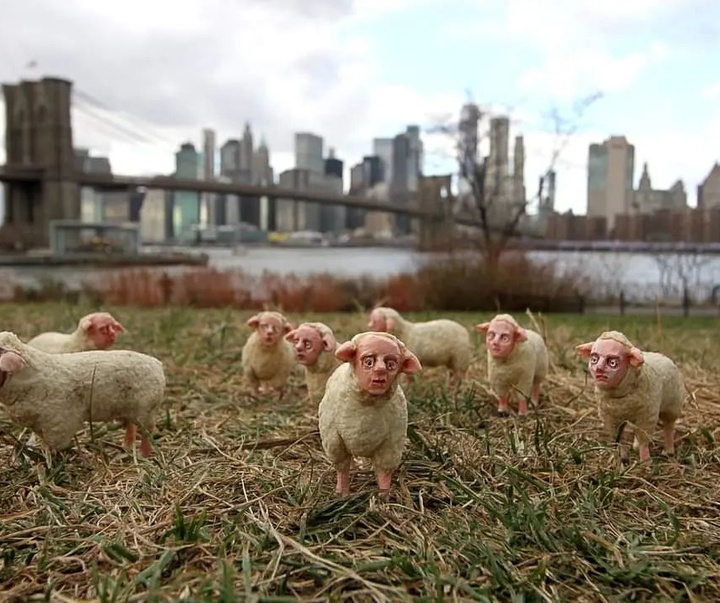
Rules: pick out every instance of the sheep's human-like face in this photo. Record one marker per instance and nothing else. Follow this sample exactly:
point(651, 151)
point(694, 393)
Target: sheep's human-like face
point(377, 364)
point(608, 363)
point(501, 338)
point(102, 329)
point(269, 327)
point(377, 321)
point(309, 344)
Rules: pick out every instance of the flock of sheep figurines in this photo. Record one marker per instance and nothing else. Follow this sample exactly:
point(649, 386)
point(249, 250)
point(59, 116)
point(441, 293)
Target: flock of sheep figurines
point(56, 382)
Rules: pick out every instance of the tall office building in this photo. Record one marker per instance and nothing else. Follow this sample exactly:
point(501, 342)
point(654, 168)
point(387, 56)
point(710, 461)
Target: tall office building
point(383, 148)
point(186, 204)
point(519, 195)
point(333, 218)
point(611, 168)
point(415, 158)
point(209, 209)
point(309, 152)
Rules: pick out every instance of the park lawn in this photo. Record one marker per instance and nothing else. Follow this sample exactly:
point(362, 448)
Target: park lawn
point(238, 502)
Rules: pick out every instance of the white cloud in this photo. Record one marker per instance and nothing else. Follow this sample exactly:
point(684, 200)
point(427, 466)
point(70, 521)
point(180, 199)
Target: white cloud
point(567, 76)
point(711, 92)
point(284, 66)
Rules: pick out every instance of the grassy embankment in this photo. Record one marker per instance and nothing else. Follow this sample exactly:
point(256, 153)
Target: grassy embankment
point(238, 502)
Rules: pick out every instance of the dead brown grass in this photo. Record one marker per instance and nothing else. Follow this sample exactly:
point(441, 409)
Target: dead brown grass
point(238, 502)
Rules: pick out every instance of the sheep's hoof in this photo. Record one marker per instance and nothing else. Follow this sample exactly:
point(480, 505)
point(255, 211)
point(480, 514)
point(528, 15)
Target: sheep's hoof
point(502, 412)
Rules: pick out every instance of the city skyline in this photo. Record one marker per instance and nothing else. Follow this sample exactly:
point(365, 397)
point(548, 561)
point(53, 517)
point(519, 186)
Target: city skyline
point(349, 80)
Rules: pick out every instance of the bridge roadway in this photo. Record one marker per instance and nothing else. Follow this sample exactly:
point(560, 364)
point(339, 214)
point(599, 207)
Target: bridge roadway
point(110, 182)
point(529, 242)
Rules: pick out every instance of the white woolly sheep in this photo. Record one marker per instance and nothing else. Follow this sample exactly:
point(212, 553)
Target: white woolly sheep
point(314, 344)
point(96, 331)
point(440, 342)
point(267, 359)
point(636, 387)
point(364, 410)
point(55, 394)
point(517, 361)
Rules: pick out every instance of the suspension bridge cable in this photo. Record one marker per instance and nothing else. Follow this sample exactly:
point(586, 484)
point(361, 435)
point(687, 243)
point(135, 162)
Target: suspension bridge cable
point(109, 123)
point(121, 116)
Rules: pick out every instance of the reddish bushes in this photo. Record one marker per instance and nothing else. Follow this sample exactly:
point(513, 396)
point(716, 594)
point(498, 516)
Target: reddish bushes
point(451, 283)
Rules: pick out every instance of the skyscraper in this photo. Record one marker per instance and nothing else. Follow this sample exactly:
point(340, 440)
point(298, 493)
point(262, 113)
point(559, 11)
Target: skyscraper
point(186, 204)
point(611, 168)
point(208, 199)
point(309, 152)
point(383, 148)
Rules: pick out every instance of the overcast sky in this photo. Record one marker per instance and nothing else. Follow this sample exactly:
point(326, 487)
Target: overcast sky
point(351, 70)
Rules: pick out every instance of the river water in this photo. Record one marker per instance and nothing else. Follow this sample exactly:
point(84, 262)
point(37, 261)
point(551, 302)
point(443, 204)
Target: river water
point(641, 276)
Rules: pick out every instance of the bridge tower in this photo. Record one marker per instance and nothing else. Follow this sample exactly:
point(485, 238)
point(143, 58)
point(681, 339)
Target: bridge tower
point(39, 136)
point(435, 197)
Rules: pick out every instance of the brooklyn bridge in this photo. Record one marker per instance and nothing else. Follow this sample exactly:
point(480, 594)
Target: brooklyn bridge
point(43, 181)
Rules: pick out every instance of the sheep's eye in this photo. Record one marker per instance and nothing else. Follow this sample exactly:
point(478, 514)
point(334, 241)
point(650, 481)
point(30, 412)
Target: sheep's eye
point(594, 358)
point(391, 365)
point(368, 362)
point(613, 363)
point(308, 344)
point(504, 337)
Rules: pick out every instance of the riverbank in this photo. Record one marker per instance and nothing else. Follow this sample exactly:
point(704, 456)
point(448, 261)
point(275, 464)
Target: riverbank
point(100, 260)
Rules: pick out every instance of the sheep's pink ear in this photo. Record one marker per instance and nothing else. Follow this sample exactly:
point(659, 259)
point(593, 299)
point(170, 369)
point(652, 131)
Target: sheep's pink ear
point(290, 336)
point(328, 342)
point(585, 349)
point(86, 324)
point(117, 327)
point(483, 327)
point(253, 321)
point(346, 352)
point(288, 328)
point(635, 357)
point(10, 362)
point(410, 363)
point(389, 324)
point(520, 335)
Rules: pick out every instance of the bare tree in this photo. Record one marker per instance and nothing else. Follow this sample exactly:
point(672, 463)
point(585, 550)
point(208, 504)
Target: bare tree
point(680, 271)
point(486, 190)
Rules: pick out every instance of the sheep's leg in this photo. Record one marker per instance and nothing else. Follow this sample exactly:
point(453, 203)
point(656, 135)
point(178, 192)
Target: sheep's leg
point(145, 447)
point(669, 436)
point(456, 377)
point(503, 404)
point(535, 397)
point(522, 406)
point(643, 437)
point(130, 434)
point(615, 432)
point(343, 482)
point(384, 482)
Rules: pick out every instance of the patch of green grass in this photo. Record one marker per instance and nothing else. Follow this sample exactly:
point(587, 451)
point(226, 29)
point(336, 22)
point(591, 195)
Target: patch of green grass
point(238, 503)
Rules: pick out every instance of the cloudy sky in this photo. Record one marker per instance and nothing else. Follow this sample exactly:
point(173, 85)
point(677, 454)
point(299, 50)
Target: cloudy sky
point(151, 74)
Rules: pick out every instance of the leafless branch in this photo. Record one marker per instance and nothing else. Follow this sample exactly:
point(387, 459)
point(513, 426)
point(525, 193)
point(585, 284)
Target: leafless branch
point(484, 179)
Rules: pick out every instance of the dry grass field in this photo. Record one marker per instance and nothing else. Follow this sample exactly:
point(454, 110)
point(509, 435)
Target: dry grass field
point(238, 502)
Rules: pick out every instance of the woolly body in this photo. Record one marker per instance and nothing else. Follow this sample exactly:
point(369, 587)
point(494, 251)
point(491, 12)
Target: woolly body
point(654, 391)
point(94, 331)
point(268, 364)
point(440, 342)
point(55, 394)
point(354, 423)
point(526, 365)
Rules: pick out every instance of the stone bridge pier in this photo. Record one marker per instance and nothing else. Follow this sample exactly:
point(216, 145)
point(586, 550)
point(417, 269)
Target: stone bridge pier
point(38, 142)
